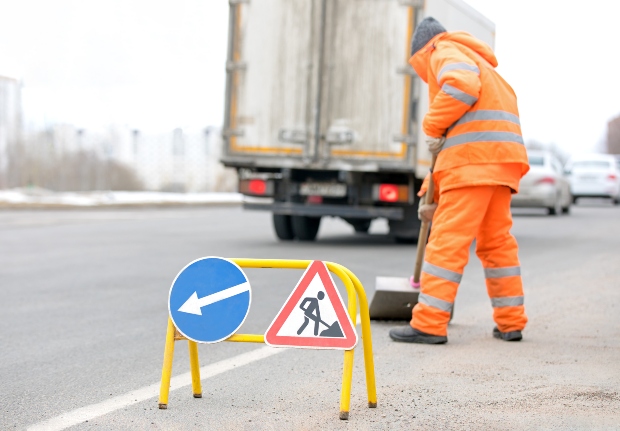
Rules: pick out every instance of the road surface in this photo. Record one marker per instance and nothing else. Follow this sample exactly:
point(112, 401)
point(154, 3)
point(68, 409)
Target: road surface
point(84, 309)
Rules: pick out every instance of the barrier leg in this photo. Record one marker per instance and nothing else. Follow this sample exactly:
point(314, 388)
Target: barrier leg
point(369, 362)
point(195, 367)
point(166, 370)
point(345, 392)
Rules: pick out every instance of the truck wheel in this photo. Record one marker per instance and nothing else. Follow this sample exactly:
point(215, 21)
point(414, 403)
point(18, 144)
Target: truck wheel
point(406, 231)
point(283, 227)
point(360, 225)
point(406, 239)
point(305, 228)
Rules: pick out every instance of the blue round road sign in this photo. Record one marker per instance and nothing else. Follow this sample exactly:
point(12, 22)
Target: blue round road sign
point(209, 299)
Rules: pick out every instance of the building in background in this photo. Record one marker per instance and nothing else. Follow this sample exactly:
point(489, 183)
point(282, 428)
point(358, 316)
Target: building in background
point(180, 161)
point(65, 158)
point(613, 136)
point(10, 120)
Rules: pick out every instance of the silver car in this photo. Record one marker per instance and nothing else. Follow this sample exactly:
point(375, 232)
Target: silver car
point(545, 185)
point(596, 176)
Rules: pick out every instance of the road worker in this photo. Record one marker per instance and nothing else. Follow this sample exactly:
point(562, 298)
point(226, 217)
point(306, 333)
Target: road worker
point(473, 129)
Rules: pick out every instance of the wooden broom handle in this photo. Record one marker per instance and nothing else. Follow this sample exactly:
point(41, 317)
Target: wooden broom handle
point(424, 228)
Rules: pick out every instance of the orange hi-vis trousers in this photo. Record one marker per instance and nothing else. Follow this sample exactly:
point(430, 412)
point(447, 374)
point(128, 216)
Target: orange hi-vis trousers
point(464, 214)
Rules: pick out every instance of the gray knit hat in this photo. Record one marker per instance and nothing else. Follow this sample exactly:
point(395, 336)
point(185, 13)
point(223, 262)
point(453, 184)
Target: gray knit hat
point(425, 31)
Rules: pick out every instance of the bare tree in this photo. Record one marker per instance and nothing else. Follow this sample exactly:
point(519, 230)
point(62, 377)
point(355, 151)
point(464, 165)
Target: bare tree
point(613, 136)
point(35, 163)
point(562, 155)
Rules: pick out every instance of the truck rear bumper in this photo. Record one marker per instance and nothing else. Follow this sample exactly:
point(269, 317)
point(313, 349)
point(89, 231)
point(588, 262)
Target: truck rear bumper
point(364, 212)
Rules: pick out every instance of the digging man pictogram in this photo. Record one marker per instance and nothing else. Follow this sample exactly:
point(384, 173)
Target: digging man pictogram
point(310, 307)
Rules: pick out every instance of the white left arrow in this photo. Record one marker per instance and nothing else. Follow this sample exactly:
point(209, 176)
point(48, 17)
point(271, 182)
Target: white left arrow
point(194, 304)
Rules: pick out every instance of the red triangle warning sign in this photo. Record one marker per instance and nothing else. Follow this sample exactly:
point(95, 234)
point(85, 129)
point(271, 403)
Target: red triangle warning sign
point(314, 315)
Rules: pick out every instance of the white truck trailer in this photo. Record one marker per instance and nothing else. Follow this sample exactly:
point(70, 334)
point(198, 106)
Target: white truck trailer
point(323, 111)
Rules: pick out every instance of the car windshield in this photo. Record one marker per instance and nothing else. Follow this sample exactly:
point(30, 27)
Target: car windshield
point(597, 164)
point(536, 160)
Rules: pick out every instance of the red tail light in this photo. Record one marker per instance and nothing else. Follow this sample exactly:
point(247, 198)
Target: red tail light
point(391, 193)
point(612, 177)
point(388, 193)
point(546, 180)
point(256, 187)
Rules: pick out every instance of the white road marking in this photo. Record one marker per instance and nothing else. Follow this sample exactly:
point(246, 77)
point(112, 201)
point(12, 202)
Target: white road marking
point(83, 414)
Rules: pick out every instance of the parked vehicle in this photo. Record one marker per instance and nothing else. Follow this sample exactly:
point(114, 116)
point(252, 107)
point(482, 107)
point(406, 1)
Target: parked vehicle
point(545, 185)
point(323, 111)
point(595, 176)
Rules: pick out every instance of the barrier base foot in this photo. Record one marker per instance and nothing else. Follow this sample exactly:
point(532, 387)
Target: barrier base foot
point(372, 405)
point(344, 416)
point(163, 406)
point(198, 395)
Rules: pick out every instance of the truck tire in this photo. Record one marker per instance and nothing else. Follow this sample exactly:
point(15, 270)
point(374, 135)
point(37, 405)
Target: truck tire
point(406, 239)
point(360, 225)
point(305, 228)
point(406, 231)
point(283, 227)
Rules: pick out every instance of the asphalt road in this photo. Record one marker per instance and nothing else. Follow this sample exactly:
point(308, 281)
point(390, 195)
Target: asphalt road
point(83, 314)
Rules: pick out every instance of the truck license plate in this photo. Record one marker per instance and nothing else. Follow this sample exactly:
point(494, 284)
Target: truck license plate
point(323, 189)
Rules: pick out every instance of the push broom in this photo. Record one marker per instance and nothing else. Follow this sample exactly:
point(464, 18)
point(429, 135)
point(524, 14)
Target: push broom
point(395, 296)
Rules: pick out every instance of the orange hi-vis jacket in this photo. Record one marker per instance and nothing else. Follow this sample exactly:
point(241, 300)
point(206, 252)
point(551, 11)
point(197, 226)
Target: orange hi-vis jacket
point(475, 109)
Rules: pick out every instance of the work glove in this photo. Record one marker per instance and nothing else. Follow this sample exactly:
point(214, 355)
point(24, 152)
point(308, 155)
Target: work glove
point(435, 144)
point(426, 212)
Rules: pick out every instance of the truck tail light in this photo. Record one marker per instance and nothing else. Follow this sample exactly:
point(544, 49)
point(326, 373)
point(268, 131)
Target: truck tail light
point(546, 180)
point(612, 177)
point(391, 193)
point(256, 187)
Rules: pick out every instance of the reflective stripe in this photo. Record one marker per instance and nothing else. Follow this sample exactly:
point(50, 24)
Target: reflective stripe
point(508, 271)
point(505, 301)
point(446, 274)
point(470, 137)
point(457, 66)
point(431, 301)
point(459, 95)
point(487, 115)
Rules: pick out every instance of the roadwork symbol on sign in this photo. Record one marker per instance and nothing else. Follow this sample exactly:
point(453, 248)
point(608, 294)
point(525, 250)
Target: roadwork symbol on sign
point(314, 315)
point(209, 299)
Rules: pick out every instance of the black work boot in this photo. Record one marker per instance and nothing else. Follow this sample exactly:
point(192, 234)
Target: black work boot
point(507, 336)
point(407, 334)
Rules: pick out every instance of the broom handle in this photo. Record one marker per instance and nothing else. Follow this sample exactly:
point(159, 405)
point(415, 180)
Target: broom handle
point(424, 228)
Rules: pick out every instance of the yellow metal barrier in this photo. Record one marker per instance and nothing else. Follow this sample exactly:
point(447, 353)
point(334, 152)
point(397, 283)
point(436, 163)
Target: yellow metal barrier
point(355, 292)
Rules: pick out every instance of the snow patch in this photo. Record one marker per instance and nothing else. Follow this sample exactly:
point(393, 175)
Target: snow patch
point(88, 199)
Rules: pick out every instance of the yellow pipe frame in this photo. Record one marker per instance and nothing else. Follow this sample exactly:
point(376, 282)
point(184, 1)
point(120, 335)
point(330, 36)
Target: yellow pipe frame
point(355, 293)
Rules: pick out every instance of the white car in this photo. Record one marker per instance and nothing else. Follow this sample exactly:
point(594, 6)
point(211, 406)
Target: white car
point(595, 176)
point(545, 185)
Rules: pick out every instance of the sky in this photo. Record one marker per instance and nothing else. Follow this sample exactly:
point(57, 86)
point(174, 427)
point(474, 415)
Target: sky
point(157, 65)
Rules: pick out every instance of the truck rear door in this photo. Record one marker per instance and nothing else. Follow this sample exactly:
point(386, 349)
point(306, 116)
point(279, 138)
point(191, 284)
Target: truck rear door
point(271, 74)
point(366, 99)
